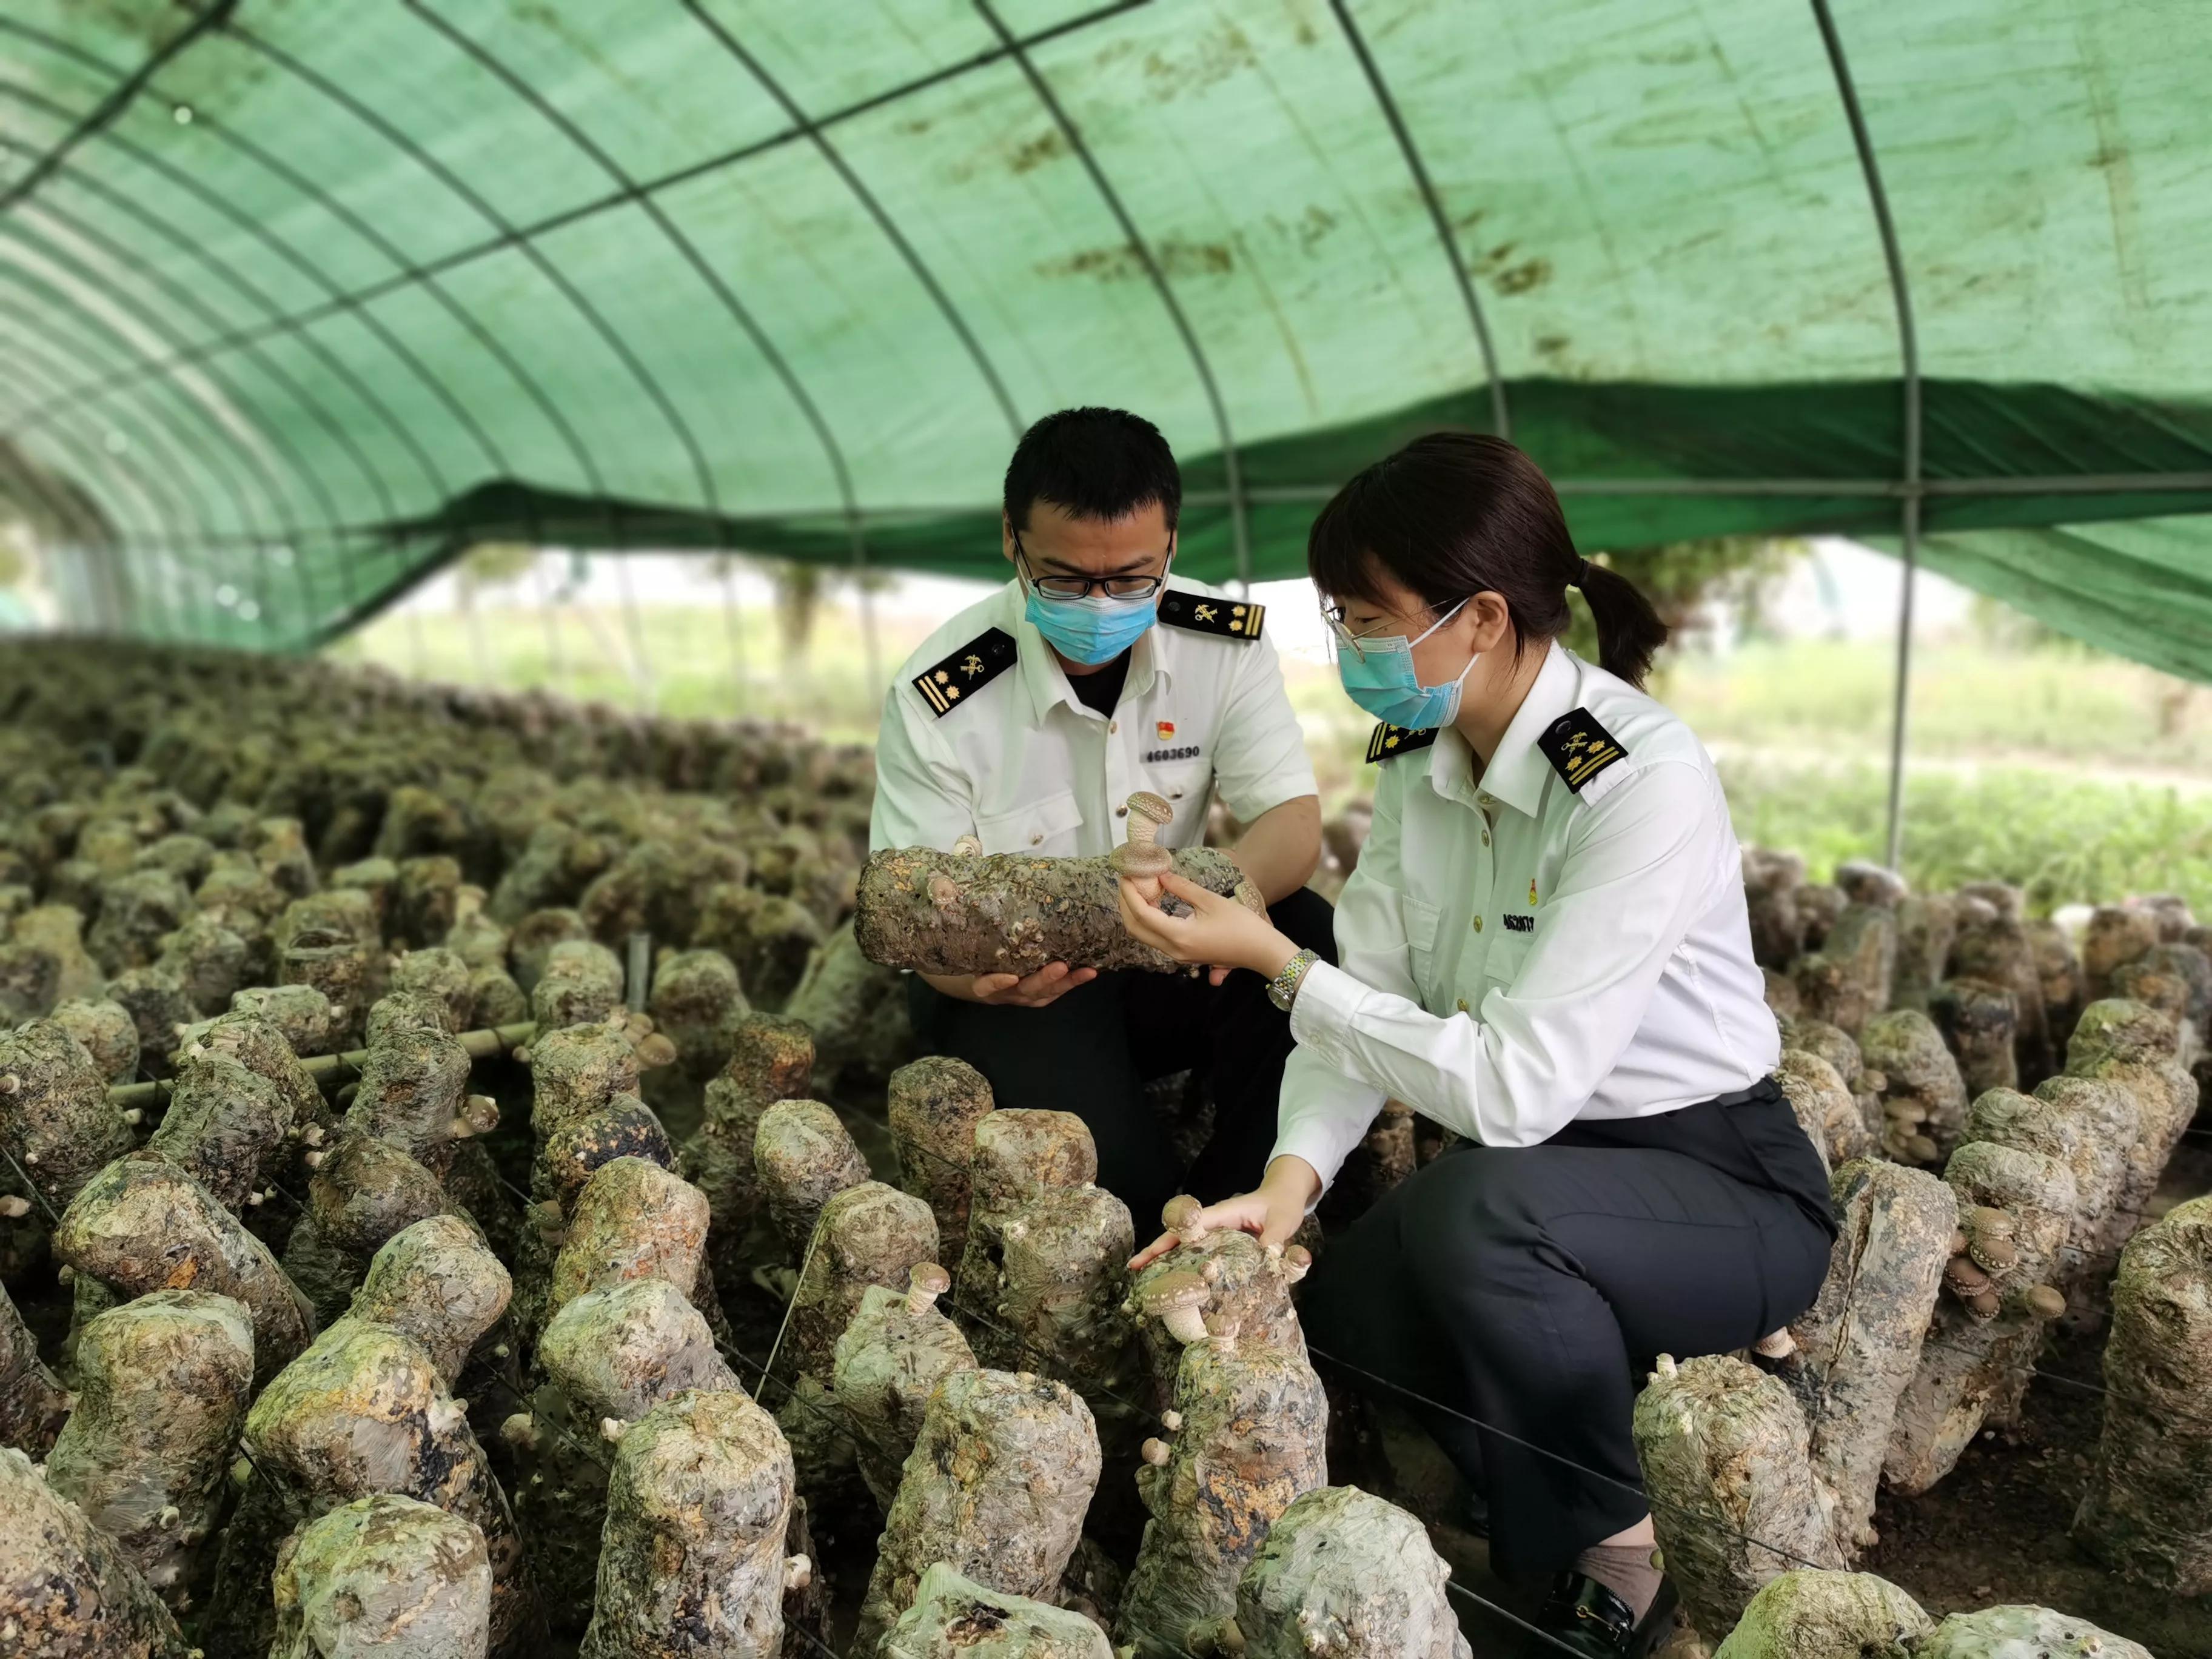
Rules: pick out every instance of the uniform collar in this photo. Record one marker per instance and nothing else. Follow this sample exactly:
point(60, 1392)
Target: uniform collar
point(1516, 773)
point(1045, 683)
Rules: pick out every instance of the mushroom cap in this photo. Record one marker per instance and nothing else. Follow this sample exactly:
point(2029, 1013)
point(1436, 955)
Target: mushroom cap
point(1990, 1222)
point(1179, 1212)
point(929, 1278)
point(1141, 857)
point(2044, 1301)
point(1174, 1290)
point(1151, 806)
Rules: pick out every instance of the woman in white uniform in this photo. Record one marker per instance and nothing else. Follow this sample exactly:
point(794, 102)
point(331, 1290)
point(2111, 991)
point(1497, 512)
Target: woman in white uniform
point(1544, 949)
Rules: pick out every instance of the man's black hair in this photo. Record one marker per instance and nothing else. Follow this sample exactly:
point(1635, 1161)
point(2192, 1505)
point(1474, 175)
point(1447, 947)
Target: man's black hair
point(1092, 464)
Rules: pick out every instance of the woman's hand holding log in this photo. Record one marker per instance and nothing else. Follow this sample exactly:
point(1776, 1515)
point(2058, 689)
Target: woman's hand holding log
point(1271, 1213)
point(1218, 931)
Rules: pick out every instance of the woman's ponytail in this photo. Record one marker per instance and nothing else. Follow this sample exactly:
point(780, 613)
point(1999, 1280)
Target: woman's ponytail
point(1628, 629)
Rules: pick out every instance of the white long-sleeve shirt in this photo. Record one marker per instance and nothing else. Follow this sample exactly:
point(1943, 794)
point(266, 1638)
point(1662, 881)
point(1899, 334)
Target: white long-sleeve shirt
point(1516, 953)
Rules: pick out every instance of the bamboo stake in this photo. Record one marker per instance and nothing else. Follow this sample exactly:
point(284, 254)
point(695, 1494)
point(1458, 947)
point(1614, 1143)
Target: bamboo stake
point(330, 1070)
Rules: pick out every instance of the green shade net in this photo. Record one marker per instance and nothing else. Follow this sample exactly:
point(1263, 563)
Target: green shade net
point(302, 297)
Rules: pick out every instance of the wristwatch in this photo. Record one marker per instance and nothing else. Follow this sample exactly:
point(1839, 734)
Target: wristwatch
point(1283, 989)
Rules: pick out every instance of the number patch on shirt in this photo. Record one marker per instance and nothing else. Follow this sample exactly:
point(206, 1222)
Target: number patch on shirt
point(1579, 748)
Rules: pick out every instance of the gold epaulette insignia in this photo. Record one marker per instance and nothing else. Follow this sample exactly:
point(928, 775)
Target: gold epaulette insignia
point(1204, 613)
point(1388, 742)
point(966, 671)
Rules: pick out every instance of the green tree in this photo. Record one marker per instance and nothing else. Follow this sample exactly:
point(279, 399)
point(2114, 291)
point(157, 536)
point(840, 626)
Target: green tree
point(1682, 579)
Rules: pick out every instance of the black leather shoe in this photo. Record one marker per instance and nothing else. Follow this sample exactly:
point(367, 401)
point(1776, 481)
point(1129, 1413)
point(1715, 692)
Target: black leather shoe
point(1590, 1618)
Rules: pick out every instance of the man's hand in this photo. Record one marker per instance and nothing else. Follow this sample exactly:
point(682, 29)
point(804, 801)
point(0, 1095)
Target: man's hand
point(1047, 985)
point(1271, 1214)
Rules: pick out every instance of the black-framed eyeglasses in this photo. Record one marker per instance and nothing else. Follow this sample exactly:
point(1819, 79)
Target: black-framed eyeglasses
point(1078, 587)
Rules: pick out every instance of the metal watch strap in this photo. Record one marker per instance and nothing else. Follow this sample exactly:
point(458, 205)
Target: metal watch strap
point(1283, 989)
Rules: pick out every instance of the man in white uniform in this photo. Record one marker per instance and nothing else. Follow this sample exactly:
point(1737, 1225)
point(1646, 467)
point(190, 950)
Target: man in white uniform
point(1028, 719)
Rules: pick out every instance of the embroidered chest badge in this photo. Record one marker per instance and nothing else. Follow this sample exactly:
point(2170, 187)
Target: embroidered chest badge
point(1579, 748)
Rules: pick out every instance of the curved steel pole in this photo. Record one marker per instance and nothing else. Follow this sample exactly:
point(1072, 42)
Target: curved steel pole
point(1909, 346)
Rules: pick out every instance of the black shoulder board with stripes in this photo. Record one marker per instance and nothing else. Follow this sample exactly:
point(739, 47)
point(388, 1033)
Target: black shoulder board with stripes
point(1204, 613)
point(1388, 742)
point(1578, 747)
point(973, 666)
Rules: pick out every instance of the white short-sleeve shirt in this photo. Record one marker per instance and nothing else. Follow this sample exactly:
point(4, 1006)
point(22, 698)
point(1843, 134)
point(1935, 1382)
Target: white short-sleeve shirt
point(1560, 935)
point(982, 734)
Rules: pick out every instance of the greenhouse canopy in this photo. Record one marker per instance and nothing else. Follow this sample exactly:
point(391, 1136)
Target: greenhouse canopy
point(301, 298)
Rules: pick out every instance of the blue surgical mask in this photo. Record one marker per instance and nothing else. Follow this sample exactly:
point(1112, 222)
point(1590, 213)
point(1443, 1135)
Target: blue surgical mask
point(1378, 675)
point(1092, 630)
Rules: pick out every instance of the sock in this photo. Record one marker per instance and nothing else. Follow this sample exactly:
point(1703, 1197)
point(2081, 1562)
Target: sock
point(1626, 1570)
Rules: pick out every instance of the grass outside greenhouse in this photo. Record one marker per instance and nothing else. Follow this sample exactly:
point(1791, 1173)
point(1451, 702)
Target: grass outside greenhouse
point(2079, 776)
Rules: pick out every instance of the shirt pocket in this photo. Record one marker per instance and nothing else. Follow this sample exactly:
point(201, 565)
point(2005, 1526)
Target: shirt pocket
point(1047, 826)
point(1502, 963)
point(1419, 919)
point(1187, 787)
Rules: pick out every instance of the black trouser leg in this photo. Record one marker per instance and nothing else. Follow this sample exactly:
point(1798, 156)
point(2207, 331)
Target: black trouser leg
point(1071, 1055)
point(1237, 1039)
point(1518, 1286)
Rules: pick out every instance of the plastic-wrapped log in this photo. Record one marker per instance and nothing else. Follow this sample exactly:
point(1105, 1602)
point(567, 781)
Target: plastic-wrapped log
point(768, 936)
point(2059, 967)
point(1247, 1284)
point(438, 1281)
point(55, 1119)
point(803, 1156)
point(1923, 1096)
point(1996, 951)
point(58, 930)
point(1990, 1326)
point(384, 1574)
point(996, 1486)
point(32, 1402)
point(1841, 1050)
point(1346, 1575)
point(951, 913)
point(1864, 882)
point(633, 1220)
point(857, 1011)
point(2116, 1041)
point(477, 939)
point(868, 1234)
point(771, 1059)
point(365, 1411)
point(105, 1029)
point(1770, 881)
point(552, 868)
point(575, 1071)
point(698, 1506)
point(259, 1042)
point(425, 900)
point(2085, 1125)
point(224, 1128)
point(935, 1104)
point(1724, 1449)
point(1858, 1346)
point(1018, 1155)
point(1980, 1020)
point(2116, 933)
point(2023, 1632)
point(442, 976)
point(415, 1084)
point(1847, 981)
point(162, 1393)
point(156, 1000)
point(957, 1618)
point(695, 995)
point(894, 1352)
point(1063, 1272)
point(1825, 1109)
point(1383, 1158)
point(209, 961)
point(572, 1154)
point(363, 1192)
point(581, 984)
point(1810, 1614)
point(141, 1224)
point(1254, 1423)
point(67, 1589)
point(495, 1000)
point(1926, 925)
point(2148, 1511)
point(530, 944)
point(136, 912)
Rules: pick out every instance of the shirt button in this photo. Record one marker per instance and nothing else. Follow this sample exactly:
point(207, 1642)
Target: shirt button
point(1113, 725)
point(1121, 812)
point(1478, 924)
point(1485, 838)
point(1037, 840)
point(1462, 1005)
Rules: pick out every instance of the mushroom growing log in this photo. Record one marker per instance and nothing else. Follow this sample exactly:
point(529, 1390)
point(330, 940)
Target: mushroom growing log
point(1980, 1021)
point(1344, 1575)
point(67, 1589)
point(857, 1012)
point(1017, 1157)
point(225, 1128)
point(996, 1486)
point(1240, 1284)
point(384, 1574)
point(1062, 1275)
point(633, 1220)
point(2023, 1632)
point(803, 1156)
point(891, 1357)
point(957, 1618)
point(1012, 913)
point(1252, 1423)
point(1846, 981)
point(1923, 1096)
point(698, 1506)
point(1824, 1106)
point(770, 1058)
point(1734, 1500)
point(2117, 1041)
point(55, 1118)
point(1858, 1347)
point(161, 1393)
point(870, 1234)
point(32, 1402)
point(1816, 1615)
point(2148, 1511)
point(934, 1104)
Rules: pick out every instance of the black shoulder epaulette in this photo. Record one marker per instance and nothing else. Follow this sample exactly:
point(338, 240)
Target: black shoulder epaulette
point(1203, 613)
point(974, 666)
point(1578, 747)
point(1388, 742)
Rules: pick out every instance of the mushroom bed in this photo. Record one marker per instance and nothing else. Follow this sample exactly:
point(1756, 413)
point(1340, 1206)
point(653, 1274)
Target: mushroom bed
point(469, 1192)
